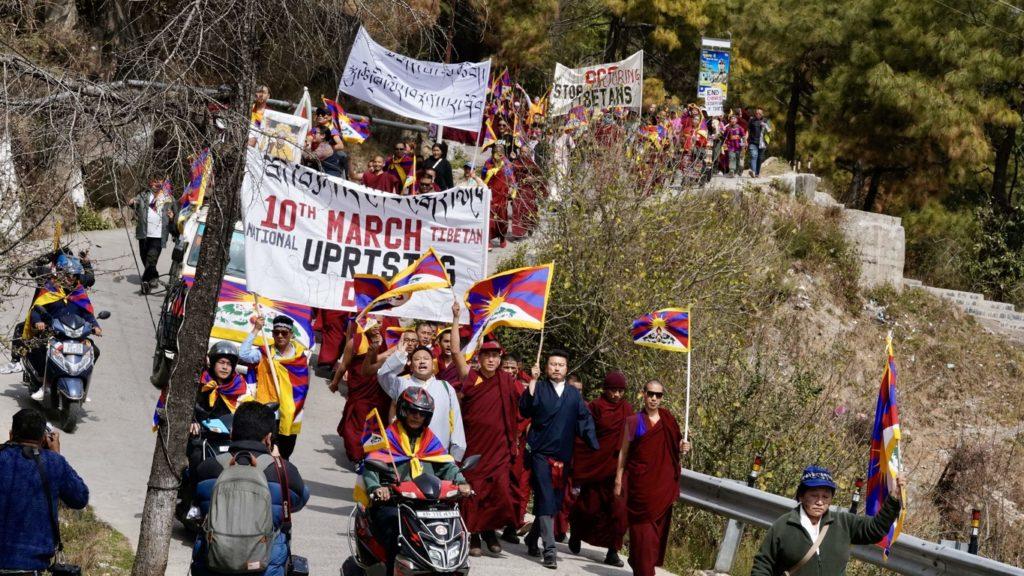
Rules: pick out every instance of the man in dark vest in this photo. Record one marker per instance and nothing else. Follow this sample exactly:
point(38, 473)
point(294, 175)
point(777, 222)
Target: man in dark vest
point(558, 414)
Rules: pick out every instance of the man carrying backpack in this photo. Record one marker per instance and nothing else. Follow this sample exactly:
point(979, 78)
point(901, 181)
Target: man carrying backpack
point(248, 520)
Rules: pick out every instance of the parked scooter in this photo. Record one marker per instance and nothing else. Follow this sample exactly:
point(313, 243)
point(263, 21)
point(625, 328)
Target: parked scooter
point(64, 369)
point(432, 538)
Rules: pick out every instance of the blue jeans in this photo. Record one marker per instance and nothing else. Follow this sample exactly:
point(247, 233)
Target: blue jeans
point(735, 161)
point(755, 159)
point(277, 564)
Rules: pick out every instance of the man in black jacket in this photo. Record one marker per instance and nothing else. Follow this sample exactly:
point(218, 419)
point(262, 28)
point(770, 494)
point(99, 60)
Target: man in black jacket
point(558, 414)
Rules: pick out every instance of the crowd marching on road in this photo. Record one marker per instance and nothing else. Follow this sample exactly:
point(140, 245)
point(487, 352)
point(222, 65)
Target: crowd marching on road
point(420, 415)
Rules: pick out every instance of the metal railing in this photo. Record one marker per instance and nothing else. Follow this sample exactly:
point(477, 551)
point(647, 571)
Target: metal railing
point(910, 555)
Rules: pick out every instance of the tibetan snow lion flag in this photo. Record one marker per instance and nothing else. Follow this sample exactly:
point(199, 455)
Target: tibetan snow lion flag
point(374, 434)
point(667, 329)
point(516, 298)
point(885, 462)
point(374, 293)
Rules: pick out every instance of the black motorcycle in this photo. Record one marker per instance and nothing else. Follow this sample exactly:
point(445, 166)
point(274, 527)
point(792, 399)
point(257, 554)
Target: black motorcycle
point(432, 538)
point(63, 365)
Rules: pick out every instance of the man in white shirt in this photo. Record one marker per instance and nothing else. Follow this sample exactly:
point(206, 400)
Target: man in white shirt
point(154, 220)
point(447, 421)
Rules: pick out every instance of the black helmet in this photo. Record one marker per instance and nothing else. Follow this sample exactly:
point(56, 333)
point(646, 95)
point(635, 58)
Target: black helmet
point(415, 398)
point(223, 349)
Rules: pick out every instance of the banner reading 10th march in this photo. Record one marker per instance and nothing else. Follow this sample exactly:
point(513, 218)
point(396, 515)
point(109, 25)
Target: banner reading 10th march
point(307, 234)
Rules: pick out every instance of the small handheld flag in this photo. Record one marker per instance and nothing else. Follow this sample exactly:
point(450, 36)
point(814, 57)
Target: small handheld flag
point(351, 130)
point(885, 461)
point(373, 293)
point(374, 433)
point(667, 329)
point(516, 298)
point(195, 190)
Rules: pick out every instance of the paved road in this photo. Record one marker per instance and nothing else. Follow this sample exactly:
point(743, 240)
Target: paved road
point(113, 446)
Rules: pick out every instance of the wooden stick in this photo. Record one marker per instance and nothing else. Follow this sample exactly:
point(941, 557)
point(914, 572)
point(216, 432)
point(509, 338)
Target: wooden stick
point(541, 347)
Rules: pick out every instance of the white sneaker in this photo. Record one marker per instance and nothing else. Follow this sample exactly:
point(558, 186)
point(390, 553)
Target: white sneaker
point(193, 513)
point(38, 394)
point(10, 368)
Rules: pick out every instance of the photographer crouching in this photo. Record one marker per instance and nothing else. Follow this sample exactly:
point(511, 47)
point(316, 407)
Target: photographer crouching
point(33, 476)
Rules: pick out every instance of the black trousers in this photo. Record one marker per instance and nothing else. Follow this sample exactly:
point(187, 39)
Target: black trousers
point(384, 525)
point(149, 253)
point(285, 444)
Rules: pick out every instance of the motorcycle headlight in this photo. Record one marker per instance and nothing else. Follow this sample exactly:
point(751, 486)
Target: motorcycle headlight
point(437, 557)
point(453, 556)
point(76, 333)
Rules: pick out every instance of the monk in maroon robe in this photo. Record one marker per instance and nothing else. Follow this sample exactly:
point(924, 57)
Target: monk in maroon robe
point(520, 470)
point(498, 174)
point(599, 517)
point(530, 190)
point(649, 471)
point(332, 325)
point(490, 403)
point(363, 356)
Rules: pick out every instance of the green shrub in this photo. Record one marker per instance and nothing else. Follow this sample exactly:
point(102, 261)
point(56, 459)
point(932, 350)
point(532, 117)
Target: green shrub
point(942, 246)
point(89, 220)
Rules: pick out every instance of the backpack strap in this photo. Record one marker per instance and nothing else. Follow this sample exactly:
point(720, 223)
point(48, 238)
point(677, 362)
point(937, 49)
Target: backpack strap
point(54, 526)
point(810, 552)
point(286, 494)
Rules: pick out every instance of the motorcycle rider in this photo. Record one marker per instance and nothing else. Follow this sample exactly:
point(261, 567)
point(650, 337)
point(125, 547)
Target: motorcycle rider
point(220, 391)
point(412, 432)
point(63, 293)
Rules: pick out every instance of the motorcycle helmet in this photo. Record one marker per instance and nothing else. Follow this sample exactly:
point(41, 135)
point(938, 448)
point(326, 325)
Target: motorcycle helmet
point(415, 398)
point(223, 349)
point(69, 265)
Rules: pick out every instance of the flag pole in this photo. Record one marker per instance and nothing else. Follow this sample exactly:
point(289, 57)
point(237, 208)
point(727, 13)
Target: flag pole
point(689, 348)
point(266, 348)
point(541, 347)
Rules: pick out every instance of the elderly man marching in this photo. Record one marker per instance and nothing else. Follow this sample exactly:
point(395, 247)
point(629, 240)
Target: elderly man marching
point(812, 539)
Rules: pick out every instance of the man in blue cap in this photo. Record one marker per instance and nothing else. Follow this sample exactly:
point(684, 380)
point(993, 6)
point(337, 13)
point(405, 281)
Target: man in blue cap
point(813, 536)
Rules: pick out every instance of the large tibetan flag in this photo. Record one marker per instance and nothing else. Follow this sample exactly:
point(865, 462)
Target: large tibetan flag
point(667, 329)
point(195, 190)
point(373, 293)
point(516, 298)
point(351, 130)
point(885, 461)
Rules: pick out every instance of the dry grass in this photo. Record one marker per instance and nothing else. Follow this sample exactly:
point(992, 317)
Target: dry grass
point(94, 545)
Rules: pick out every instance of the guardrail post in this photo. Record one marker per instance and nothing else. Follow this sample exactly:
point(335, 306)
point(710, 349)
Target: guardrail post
point(972, 547)
point(855, 499)
point(734, 529)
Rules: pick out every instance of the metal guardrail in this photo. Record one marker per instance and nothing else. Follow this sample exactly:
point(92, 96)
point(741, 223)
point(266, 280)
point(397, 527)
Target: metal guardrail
point(910, 555)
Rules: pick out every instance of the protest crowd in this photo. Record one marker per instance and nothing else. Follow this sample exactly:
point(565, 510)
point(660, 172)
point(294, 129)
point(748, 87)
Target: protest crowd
point(425, 398)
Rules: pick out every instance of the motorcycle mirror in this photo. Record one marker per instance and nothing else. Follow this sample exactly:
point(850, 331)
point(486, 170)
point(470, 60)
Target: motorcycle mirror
point(103, 315)
point(470, 462)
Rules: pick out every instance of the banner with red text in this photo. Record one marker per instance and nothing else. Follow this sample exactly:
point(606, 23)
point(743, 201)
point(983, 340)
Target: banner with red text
point(307, 234)
point(617, 84)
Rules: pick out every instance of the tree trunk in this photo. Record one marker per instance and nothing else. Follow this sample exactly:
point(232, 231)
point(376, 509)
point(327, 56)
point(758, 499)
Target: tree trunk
point(169, 453)
point(875, 179)
point(1002, 194)
point(857, 177)
point(611, 43)
point(796, 86)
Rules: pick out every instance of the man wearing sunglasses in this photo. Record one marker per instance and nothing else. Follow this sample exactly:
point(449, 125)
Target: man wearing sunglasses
point(648, 474)
point(282, 376)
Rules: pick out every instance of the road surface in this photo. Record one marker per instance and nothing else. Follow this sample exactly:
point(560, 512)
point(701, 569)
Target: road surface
point(113, 446)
